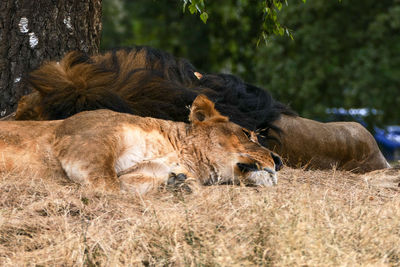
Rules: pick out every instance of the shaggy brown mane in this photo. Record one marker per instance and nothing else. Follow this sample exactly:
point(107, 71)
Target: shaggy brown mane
point(147, 82)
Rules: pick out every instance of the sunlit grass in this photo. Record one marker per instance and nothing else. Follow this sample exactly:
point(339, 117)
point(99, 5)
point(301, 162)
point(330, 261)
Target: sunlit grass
point(312, 218)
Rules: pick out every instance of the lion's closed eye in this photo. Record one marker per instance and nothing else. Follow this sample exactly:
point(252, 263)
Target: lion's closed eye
point(247, 133)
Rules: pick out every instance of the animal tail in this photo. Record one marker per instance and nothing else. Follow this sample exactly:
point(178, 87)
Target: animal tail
point(73, 85)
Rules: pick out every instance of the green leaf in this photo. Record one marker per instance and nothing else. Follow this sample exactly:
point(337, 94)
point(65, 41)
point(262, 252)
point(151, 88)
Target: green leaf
point(192, 8)
point(204, 17)
point(278, 5)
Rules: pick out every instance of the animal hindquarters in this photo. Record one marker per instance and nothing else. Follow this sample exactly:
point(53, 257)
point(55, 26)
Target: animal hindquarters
point(25, 147)
point(346, 145)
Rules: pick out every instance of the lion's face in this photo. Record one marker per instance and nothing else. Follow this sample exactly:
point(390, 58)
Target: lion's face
point(229, 150)
point(238, 154)
point(29, 108)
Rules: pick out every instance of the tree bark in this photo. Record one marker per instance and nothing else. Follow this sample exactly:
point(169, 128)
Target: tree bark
point(32, 31)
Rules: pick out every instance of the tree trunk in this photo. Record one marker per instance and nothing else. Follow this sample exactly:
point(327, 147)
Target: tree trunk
point(32, 31)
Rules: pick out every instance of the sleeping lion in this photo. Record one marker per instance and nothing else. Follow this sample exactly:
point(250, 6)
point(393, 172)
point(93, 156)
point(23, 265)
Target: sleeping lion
point(116, 151)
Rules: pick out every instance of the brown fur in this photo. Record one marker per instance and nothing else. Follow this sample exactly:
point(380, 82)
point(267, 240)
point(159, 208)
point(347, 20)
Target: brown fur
point(316, 145)
point(147, 82)
point(115, 151)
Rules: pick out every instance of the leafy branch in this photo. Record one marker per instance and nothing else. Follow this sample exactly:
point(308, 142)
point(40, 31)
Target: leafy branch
point(270, 24)
point(196, 7)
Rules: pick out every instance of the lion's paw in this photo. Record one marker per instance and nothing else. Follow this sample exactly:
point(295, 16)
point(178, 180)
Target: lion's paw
point(177, 182)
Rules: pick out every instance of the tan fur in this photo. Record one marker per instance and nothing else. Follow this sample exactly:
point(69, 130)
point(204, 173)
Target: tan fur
point(115, 151)
point(316, 145)
point(303, 142)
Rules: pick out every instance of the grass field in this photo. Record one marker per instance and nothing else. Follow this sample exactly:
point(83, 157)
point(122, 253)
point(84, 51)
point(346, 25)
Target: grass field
point(312, 218)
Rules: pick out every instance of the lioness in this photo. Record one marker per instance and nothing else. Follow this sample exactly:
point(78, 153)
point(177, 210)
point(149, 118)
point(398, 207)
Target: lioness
point(115, 151)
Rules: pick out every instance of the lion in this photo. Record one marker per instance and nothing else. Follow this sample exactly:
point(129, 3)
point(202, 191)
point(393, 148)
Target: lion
point(147, 82)
point(115, 152)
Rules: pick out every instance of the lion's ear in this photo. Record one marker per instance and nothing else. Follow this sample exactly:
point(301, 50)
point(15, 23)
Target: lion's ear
point(203, 110)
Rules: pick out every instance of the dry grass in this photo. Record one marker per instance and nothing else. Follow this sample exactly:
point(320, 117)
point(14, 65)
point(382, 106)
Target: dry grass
point(311, 218)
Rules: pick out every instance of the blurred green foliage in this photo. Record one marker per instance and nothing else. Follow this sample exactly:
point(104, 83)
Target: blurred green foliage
point(343, 54)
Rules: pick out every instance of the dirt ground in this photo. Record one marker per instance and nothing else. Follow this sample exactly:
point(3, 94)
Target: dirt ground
point(314, 218)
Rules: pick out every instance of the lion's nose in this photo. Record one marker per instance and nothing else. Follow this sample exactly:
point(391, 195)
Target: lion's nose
point(277, 161)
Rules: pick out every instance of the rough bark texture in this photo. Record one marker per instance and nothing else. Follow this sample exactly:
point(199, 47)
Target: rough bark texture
point(34, 31)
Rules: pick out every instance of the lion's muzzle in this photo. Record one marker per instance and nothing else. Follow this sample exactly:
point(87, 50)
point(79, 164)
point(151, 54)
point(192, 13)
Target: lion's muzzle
point(266, 177)
point(256, 175)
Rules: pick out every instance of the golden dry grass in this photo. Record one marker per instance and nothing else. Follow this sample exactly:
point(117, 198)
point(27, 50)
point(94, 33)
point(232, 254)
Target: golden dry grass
point(314, 218)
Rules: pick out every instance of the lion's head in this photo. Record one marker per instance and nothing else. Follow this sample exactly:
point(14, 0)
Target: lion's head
point(225, 150)
point(29, 108)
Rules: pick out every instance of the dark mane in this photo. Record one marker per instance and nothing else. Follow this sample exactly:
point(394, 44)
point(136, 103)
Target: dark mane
point(148, 82)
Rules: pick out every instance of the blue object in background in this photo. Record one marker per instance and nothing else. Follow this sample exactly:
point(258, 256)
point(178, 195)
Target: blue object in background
point(389, 141)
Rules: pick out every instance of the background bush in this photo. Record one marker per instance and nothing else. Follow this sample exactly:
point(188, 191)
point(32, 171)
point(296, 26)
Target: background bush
point(343, 54)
